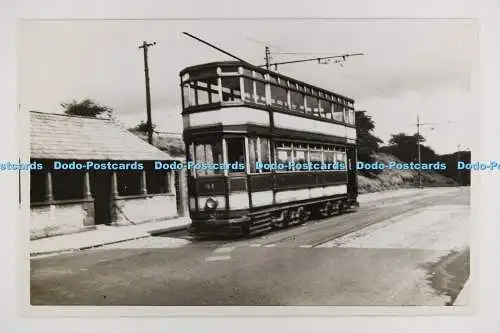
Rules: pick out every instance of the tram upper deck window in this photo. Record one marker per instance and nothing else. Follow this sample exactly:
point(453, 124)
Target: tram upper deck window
point(312, 105)
point(326, 109)
point(297, 101)
point(201, 92)
point(352, 118)
point(338, 112)
point(231, 91)
point(260, 89)
point(210, 153)
point(279, 96)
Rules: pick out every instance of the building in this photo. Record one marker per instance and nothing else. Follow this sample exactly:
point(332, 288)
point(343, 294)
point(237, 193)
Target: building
point(65, 201)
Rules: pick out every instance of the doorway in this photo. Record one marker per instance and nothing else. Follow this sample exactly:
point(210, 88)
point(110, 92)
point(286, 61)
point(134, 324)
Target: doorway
point(100, 186)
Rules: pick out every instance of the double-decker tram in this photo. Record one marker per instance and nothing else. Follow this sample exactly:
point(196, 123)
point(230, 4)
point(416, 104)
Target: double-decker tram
point(266, 151)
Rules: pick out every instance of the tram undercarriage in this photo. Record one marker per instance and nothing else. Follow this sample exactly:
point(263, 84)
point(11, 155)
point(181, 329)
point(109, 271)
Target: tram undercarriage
point(264, 221)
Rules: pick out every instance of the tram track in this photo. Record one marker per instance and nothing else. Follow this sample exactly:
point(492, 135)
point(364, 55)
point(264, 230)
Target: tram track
point(313, 232)
point(341, 225)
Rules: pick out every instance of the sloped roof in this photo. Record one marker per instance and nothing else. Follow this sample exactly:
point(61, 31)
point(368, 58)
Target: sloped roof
point(60, 136)
point(171, 144)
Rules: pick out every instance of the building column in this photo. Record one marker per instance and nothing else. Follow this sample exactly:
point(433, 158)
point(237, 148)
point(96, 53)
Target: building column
point(114, 185)
point(48, 187)
point(144, 190)
point(86, 186)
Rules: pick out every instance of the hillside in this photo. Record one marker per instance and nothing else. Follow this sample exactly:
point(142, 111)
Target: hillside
point(392, 179)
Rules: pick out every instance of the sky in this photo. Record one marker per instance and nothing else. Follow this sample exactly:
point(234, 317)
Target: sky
point(408, 67)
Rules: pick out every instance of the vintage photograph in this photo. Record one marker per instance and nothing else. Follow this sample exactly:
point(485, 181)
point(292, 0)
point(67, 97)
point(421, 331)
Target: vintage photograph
point(249, 162)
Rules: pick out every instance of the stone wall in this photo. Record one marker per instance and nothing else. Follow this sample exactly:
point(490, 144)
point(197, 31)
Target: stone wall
point(60, 218)
point(129, 211)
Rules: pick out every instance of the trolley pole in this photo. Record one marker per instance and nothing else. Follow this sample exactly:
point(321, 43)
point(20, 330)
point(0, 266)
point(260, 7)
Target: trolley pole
point(268, 57)
point(145, 46)
point(418, 152)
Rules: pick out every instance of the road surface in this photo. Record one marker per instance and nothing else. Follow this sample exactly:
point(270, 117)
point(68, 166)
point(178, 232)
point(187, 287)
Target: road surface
point(406, 247)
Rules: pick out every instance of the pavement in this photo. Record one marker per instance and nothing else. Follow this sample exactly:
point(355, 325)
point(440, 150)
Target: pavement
point(104, 235)
point(407, 253)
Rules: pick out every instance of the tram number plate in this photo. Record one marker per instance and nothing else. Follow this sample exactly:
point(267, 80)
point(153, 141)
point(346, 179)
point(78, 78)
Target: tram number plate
point(210, 186)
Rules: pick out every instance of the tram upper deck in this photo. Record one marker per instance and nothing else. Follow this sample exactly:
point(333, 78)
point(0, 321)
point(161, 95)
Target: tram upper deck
point(235, 96)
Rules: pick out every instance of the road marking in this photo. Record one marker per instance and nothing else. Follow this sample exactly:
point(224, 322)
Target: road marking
point(306, 246)
point(217, 258)
point(224, 249)
point(255, 245)
point(270, 245)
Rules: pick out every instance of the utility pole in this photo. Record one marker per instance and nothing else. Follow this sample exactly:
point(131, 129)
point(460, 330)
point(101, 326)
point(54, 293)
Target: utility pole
point(418, 152)
point(145, 46)
point(268, 57)
point(459, 175)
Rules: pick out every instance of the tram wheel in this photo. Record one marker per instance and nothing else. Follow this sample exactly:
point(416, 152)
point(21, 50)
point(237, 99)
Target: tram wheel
point(325, 211)
point(303, 215)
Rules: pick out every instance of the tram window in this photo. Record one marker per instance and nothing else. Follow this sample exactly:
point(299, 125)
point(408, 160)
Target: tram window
point(248, 89)
point(272, 79)
point(338, 112)
point(189, 95)
point(312, 105)
point(252, 153)
point(202, 93)
point(352, 118)
point(210, 153)
point(297, 101)
point(264, 150)
point(315, 156)
point(278, 96)
point(260, 92)
point(300, 155)
point(329, 156)
point(231, 90)
point(235, 151)
point(326, 109)
point(191, 153)
point(283, 155)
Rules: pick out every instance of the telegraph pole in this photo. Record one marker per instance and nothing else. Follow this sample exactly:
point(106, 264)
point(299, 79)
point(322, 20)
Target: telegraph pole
point(418, 152)
point(145, 46)
point(268, 57)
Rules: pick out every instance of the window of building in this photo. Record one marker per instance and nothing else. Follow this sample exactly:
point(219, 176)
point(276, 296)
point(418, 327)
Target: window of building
point(157, 181)
point(37, 185)
point(279, 96)
point(235, 152)
point(231, 91)
point(67, 184)
point(129, 183)
point(208, 153)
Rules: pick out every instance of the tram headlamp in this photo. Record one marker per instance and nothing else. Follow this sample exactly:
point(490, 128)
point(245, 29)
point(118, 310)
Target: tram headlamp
point(211, 203)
